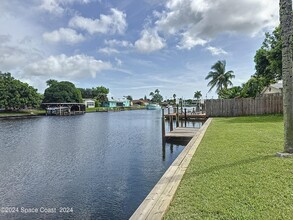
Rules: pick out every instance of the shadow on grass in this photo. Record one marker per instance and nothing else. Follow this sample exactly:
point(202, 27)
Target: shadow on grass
point(237, 163)
point(255, 119)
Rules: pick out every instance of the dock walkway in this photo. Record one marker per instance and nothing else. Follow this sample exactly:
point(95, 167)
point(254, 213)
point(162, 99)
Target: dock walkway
point(181, 133)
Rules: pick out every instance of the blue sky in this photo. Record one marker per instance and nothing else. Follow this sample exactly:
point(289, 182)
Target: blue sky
point(132, 47)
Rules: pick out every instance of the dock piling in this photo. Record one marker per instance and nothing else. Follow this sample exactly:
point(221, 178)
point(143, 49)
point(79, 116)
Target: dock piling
point(163, 126)
point(185, 116)
point(171, 124)
point(177, 116)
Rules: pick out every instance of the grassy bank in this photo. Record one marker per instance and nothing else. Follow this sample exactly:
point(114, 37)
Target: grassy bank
point(22, 112)
point(235, 174)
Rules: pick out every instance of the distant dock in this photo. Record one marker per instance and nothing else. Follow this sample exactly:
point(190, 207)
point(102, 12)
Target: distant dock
point(181, 133)
point(63, 109)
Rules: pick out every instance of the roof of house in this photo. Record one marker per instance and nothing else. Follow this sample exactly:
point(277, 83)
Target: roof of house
point(119, 100)
point(88, 100)
point(278, 85)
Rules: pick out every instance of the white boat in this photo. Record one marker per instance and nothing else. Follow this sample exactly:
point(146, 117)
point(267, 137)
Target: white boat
point(153, 107)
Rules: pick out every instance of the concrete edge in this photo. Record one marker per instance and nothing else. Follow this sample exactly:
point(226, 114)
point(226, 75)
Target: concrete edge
point(157, 202)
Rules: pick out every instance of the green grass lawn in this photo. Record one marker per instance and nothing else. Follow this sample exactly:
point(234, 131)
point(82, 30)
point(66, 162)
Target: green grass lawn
point(235, 174)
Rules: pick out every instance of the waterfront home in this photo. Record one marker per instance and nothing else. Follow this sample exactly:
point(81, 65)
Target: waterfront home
point(112, 103)
point(89, 103)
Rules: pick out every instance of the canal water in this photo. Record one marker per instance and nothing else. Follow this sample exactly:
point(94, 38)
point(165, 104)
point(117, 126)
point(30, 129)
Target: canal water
point(92, 166)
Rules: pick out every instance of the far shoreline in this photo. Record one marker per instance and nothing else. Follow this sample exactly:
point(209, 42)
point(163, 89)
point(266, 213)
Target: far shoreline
point(23, 114)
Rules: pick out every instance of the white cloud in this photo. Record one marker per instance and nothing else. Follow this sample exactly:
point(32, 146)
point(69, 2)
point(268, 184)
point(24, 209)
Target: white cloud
point(72, 67)
point(51, 6)
point(108, 50)
point(150, 41)
point(58, 7)
point(217, 51)
point(63, 35)
point(14, 56)
point(118, 43)
point(107, 24)
point(188, 41)
point(197, 22)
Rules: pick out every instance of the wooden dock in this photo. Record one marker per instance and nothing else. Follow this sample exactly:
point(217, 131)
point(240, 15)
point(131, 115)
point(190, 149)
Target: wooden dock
point(181, 133)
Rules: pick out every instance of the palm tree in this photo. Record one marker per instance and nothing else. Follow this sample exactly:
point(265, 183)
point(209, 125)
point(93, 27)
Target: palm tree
point(287, 72)
point(197, 95)
point(174, 96)
point(220, 78)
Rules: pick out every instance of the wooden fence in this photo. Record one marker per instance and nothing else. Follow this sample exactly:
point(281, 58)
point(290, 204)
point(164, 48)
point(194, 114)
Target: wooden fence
point(244, 106)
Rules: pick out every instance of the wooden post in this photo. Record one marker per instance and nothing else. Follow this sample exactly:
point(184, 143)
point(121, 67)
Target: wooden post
point(171, 124)
point(185, 117)
point(163, 126)
point(177, 116)
point(168, 111)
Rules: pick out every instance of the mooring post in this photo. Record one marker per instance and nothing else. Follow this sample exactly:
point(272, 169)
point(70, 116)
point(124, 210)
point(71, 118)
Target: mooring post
point(171, 123)
point(164, 150)
point(185, 116)
point(177, 116)
point(163, 126)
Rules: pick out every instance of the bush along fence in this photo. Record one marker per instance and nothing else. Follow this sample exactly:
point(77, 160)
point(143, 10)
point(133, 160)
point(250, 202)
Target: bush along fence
point(268, 104)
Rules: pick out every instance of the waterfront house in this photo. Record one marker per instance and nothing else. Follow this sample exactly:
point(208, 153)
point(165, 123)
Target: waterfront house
point(112, 103)
point(89, 103)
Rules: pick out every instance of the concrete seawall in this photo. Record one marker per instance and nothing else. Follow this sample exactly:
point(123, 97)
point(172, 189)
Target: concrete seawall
point(158, 200)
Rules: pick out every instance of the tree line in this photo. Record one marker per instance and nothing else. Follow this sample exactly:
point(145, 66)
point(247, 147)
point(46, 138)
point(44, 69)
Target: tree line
point(16, 95)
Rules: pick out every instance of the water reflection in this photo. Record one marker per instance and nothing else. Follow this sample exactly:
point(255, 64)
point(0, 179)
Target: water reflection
point(101, 164)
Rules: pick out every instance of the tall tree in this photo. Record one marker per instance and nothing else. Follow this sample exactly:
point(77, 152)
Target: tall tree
point(63, 91)
point(101, 93)
point(197, 95)
point(174, 96)
point(15, 95)
point(268, 59)
point(219, 77)
point(87, 93)
point(156, 96)
point(253, 87)
point(286, 21)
